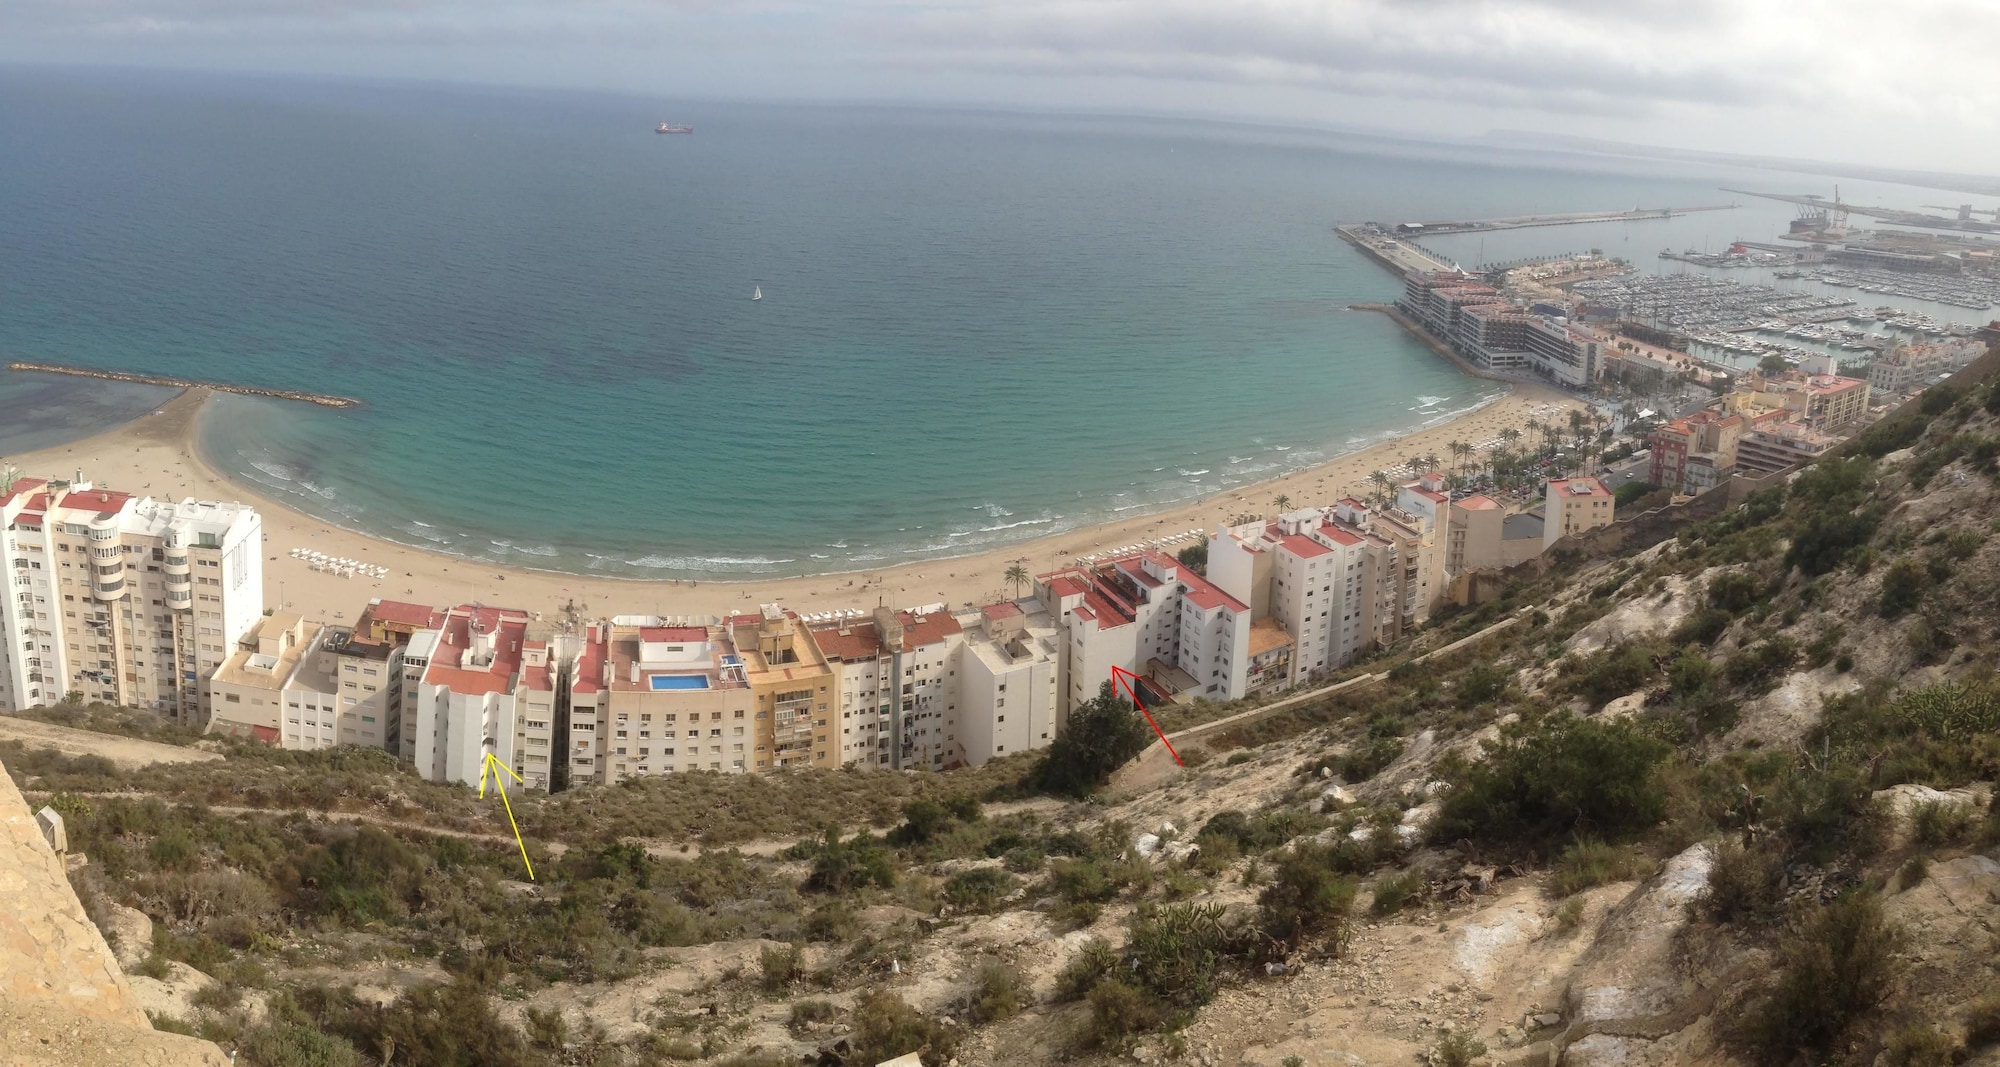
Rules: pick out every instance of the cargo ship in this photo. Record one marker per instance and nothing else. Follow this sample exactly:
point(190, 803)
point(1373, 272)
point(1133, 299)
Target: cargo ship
point(668, 127)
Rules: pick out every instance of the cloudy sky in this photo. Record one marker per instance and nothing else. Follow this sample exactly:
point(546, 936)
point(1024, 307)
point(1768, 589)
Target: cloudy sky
point(1901, 84)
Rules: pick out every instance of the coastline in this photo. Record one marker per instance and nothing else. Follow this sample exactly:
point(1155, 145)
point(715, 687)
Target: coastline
point(159, 455)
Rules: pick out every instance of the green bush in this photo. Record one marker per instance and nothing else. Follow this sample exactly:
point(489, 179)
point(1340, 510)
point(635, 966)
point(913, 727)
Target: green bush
point(1759, 667)
point(1903, 587)
point(1919, 1045)
point(1177, 951)
point(1556, 778)
point(1834, 968)
point(1701, 627)
point(781, 967)
point(1092, 964)
point(285, 1044)
point(1308, 897)
point(1746, 886)
point(1102, 735)
point(806, 1013)
point(1589, 863)
point(885, 1027)
point(1825, 539)
point(1937, 823)
point(998, 993)
point(845, 866)
point(980, 889)
point(1457, 1048)
point(1119, 1011)
point(1397, 891)
point(1735, 592)
point(1481, 684)
point(1615, 672)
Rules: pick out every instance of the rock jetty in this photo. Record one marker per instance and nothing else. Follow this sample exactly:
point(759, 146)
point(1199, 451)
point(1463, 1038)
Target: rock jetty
point(322, 399)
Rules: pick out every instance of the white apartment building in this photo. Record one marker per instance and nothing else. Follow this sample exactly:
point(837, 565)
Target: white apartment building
point(1149, 615)
point(866, 673)
point(1338, 581)
point(121, 599)
point(1009, 689)
point(468, 693)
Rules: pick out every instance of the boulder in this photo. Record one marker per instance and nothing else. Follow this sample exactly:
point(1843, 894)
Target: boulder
point(130, 932)
point(1626, 991)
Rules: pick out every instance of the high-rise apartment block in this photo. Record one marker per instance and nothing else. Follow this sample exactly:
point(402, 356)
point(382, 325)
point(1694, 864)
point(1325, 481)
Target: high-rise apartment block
point(122, 599)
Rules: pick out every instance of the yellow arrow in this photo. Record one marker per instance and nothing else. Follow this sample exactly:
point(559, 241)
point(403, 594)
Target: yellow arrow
point(493, 766)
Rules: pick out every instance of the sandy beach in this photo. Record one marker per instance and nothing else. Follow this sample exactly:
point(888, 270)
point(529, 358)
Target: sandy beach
point(156, 455)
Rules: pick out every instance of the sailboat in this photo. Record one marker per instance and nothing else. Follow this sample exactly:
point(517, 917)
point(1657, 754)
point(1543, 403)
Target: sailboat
point(756, 292)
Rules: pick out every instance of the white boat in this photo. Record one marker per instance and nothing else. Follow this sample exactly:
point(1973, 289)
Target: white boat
point(756, 292)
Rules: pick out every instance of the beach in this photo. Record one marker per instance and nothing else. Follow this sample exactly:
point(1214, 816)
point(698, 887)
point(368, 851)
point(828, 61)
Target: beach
point(157, 455)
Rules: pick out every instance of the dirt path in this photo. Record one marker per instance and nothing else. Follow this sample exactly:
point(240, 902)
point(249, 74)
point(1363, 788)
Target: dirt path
point(128, 753)
point(655, 847)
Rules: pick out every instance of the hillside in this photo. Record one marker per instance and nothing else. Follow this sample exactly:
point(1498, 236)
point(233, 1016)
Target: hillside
point(1726, 798)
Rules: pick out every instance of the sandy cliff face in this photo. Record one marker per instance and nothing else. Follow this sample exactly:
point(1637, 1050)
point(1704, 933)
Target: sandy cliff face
point(63, 999)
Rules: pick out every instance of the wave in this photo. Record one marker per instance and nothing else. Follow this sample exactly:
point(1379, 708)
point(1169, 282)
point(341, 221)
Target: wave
point(691, 563)
point(1194, 474)
point(1431, 401)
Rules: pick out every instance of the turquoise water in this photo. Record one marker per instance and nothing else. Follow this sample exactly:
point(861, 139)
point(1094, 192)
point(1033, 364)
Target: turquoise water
point(976, 328)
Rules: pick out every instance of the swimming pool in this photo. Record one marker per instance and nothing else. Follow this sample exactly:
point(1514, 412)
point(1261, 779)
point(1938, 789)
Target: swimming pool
point(659, 682)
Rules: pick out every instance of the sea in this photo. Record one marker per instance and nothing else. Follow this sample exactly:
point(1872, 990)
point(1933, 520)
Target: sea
point(976, 327)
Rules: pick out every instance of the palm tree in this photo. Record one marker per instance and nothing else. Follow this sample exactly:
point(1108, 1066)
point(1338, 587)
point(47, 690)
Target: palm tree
point(1017, 573)
point(1511, 435)
point(1381, 480)
point(1457, 450)
point(1430, 461)
point(1283, 503)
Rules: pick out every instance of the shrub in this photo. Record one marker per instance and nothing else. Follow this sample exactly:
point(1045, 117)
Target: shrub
point(1982, 1022)
point(1758, 667)
point(1614, 672)
point(1396, 891)
point(781, 967)
point(1735, 592)
point(1936, 823)
point(1902, 588)
point(1746, 886)
point(844, 866)
point(1102, 734)
point(1118, 1011)
point(922, 819)
point(286, 1044)
point(1367, 760)
point(1553, 778)
point(980, 889)
point(1702, 626)
point(999, 993)
point(1457, 1048)
point(1307, 897)
point(1482, 683)
point(1919, 1045)
point(885, 1027)
point(1589, 862)
point(1091, 965)
point(1690, 675)
point(1833, 969)
point(1826, 539)
point(1827, 809)
point(1177, 950)
point(806, 1013)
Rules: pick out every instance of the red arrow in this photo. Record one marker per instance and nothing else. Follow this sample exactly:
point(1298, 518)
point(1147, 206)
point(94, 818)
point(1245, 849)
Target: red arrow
point(1128, 679)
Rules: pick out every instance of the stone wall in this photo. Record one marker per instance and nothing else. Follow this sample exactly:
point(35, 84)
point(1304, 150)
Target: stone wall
point(63, 1000)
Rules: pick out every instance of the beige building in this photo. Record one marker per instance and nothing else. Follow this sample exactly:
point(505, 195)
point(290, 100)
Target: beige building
point(122, 599)
point(792, 688)
point(674, 698)
point(1573, 505)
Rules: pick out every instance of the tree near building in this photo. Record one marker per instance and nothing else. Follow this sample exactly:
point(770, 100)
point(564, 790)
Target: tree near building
point(1016, 575)
point(1102, 735)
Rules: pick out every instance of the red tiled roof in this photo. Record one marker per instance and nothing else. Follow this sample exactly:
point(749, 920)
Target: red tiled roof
point(1589, 487)
point(96, 501)
point(404, 614)
point(1339, 536)
point(466, 682)
point(1430, 493)
point(1206, 596)
point(928, 630)
point(1066, 586)
point(1478, 503)
point(1005, 609)
point(673, 633)
point(850, 644)
point(590, 664)
point(21, 485)
point(1303, 547)
point(1104, 610)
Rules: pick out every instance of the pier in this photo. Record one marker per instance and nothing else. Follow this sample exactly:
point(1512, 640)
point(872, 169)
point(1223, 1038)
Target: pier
point(1572, 218)
point(322, 399)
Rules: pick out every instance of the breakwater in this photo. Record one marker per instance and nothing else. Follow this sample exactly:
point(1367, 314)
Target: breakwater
point(322, 399)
